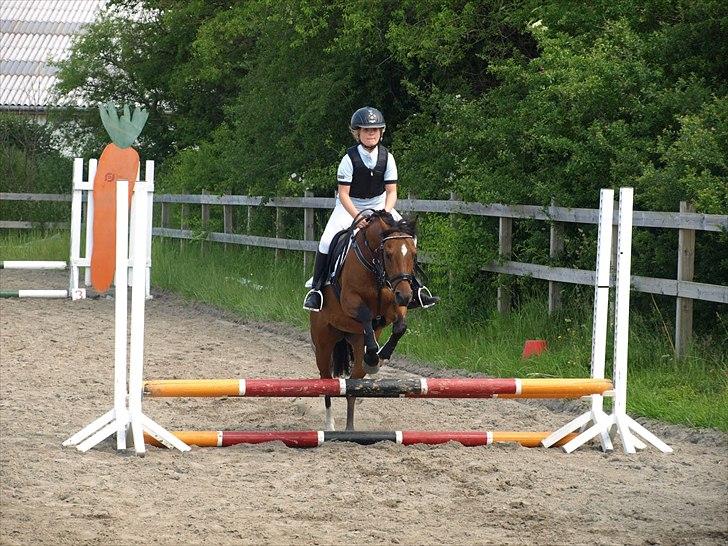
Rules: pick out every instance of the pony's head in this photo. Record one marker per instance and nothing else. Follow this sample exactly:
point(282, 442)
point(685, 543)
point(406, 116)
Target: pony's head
point(393, 244)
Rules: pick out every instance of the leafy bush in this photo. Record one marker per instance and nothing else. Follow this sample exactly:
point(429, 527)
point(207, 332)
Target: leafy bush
point(31, 163)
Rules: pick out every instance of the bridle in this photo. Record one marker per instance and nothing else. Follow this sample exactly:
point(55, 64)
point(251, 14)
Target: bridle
point(375, 264)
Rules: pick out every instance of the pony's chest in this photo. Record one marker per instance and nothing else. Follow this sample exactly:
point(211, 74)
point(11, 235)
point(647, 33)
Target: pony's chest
point(384, 305)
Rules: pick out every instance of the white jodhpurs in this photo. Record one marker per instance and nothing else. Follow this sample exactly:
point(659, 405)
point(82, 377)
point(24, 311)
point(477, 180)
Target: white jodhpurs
point(340, 219)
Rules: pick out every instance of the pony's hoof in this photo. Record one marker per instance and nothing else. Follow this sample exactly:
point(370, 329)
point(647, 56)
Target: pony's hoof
point(371, 370)
point(371, 358)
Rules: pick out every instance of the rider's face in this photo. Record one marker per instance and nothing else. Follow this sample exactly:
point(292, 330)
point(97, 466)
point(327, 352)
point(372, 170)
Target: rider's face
point(369, 136)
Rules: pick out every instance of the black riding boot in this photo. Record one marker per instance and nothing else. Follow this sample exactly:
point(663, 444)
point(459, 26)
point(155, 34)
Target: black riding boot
point(315, 298)
point(421, 296)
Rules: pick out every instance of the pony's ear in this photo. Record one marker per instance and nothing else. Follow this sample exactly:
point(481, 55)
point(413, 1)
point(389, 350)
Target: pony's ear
point(410, 221)
point(387, 217)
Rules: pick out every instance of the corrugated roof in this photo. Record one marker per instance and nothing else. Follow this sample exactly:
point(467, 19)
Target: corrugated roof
point(34, 34)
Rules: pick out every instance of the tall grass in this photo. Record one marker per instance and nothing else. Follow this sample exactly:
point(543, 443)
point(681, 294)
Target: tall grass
point(253, 284)
point(34, 245)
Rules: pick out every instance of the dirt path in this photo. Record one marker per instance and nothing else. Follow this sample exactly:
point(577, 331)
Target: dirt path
point(56, 376)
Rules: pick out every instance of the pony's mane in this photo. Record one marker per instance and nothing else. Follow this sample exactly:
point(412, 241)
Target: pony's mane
point(394, 226)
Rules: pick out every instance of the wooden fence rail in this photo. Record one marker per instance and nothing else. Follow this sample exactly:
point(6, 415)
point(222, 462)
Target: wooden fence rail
point(686, 221)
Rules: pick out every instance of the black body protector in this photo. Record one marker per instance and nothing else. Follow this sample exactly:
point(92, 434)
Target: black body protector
point(366, 182)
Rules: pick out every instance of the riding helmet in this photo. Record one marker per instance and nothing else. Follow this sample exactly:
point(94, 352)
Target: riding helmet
point(367, 117)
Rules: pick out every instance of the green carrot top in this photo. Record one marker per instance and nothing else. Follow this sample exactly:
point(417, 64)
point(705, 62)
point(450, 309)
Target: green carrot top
point(124, 129)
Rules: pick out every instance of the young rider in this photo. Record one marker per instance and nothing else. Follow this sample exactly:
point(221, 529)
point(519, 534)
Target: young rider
point(367, 178)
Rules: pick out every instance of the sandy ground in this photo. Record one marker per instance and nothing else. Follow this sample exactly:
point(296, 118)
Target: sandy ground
point(56, 376)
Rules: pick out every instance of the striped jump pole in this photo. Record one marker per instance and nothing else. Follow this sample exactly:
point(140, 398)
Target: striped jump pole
point(25, 264)
point(380, 388)
point(49, 294)
point(314, 438)
point(34, 265)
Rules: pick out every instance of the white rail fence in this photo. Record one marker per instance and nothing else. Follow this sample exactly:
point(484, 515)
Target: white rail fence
point(683, 288)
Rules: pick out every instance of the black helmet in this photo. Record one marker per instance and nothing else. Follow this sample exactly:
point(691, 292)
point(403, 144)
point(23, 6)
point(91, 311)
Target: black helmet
point(367, 117)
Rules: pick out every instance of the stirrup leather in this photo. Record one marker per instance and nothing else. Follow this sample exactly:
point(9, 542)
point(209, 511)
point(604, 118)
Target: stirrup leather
point(321, 300)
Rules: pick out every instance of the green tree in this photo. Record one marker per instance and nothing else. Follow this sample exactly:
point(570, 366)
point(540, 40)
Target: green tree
point(517, 102)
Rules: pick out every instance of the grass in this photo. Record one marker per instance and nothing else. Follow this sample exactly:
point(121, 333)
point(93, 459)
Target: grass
point(253, 284)
point(15, 245)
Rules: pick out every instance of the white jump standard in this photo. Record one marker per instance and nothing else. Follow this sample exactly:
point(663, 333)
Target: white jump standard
point(602, 423)
point(81, 189)
point(126, 416)
point(75, 261)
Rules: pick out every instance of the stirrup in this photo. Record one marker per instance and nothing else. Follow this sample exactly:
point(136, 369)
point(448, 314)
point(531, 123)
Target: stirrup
point(424, 291)
point(321, 301)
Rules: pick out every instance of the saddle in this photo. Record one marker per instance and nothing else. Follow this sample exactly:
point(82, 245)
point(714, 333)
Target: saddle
point(340, 245)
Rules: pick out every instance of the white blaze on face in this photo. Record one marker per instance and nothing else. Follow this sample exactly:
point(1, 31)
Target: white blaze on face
point(404, 249)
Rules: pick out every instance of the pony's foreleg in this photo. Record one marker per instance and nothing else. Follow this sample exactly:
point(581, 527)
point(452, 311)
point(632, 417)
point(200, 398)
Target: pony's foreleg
point(329, 420)
point(350, 401)
point(371, 359)
point(399, 327)
point(324, 338)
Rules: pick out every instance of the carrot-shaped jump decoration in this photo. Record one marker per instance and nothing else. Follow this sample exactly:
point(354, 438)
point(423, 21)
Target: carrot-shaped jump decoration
point(118, 161)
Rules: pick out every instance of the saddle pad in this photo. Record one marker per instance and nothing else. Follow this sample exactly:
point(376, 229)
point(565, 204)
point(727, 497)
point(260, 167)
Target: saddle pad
point(340, 245)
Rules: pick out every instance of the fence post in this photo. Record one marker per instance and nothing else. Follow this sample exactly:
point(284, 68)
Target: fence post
point(505, 245)
point(165, 214)
point(205, 218)
point(228, 220)
point(685, 272)
point(308, 234)
point(556, 247)
point(280, 229)
point(450, 280)
point(183, 222)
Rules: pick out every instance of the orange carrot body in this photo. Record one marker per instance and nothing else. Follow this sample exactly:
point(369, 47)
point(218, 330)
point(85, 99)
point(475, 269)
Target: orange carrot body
point(114, 164)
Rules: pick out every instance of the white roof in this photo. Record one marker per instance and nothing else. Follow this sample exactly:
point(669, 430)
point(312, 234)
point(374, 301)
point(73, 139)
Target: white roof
point(35, 33)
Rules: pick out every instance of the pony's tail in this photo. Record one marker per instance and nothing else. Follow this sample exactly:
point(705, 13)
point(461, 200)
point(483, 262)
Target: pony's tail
point(341, 359)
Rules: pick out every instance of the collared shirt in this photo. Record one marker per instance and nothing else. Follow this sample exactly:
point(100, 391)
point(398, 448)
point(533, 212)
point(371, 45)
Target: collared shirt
point(346, 170)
